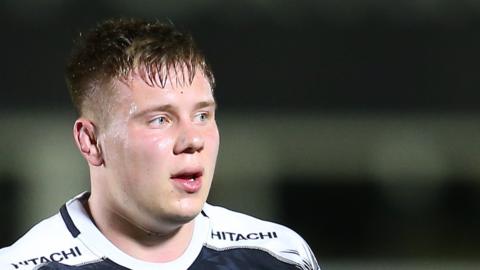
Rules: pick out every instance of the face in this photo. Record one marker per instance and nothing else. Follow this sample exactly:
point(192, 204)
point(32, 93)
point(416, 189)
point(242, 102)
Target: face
point(160, 150)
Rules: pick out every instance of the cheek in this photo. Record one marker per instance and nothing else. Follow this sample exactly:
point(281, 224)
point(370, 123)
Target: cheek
point(148, 149)
point(162, 144)
point(147, 162)
point(213, 139)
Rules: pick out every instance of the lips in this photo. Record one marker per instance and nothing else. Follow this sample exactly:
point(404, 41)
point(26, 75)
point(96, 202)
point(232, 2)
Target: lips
point(189, 180)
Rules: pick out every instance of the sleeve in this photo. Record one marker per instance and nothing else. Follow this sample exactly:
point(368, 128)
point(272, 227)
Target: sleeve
point(309, 260)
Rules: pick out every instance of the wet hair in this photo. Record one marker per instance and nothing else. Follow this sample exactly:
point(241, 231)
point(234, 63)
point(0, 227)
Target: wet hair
point(118, 49)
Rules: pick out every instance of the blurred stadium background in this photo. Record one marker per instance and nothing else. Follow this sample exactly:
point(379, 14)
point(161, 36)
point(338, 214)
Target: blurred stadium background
point(356, 123)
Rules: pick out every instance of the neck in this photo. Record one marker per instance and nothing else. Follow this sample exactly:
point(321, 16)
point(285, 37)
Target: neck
point(138, 242)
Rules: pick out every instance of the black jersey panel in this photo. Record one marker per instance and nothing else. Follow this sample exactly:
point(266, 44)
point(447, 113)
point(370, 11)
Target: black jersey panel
point(209, 259)
point(238, 259)
point(100, 265)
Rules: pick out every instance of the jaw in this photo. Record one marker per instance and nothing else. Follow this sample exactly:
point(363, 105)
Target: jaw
point(189, 206)
point(181, 209)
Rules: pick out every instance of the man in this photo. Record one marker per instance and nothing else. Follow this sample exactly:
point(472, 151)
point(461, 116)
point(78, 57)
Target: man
point(147, 129)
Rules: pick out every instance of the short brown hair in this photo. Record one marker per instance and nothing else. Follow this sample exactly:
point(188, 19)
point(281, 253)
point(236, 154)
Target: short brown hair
point(116, 48)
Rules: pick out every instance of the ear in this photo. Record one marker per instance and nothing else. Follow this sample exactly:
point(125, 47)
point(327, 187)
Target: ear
point(84, 133)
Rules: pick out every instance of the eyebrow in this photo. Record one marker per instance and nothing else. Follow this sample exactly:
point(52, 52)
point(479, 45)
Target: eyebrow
point(170, 108)
point(206, 104)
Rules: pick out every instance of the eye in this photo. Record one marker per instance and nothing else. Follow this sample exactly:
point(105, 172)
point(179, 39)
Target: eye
point(202, 116)
point(159, 121)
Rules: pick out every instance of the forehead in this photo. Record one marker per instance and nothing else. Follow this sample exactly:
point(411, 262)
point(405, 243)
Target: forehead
point(138, 91)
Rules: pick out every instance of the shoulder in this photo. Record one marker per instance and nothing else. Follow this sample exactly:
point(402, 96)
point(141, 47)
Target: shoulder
point(225, 220)
point(42, 234)
point(52, 240)
point(46, 240)
point(231, 230)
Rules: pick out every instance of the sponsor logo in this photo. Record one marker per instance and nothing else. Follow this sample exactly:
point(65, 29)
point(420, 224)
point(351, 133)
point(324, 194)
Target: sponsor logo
point(231, 236)
point(54, 257)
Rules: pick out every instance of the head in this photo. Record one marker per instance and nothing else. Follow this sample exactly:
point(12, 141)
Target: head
point(146, 125)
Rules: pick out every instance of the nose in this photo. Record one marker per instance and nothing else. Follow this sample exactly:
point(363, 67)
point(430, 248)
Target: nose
point(188, 141)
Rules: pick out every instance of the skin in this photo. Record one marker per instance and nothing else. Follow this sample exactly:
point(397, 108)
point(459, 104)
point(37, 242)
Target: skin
point(154, 134)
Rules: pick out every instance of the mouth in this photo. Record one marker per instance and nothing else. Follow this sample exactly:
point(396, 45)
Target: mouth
point(189, 181)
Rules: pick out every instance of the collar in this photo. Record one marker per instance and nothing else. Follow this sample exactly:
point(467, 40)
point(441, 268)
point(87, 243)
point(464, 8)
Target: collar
point(81, 227)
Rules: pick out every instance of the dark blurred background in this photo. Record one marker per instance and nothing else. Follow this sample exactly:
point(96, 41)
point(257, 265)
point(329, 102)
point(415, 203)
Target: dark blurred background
point(356, 123)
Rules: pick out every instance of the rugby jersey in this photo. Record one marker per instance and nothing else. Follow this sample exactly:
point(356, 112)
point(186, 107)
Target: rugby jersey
point(222, 239)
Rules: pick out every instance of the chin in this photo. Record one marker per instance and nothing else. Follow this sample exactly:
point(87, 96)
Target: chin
point(182, 218)
point(188, 210)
